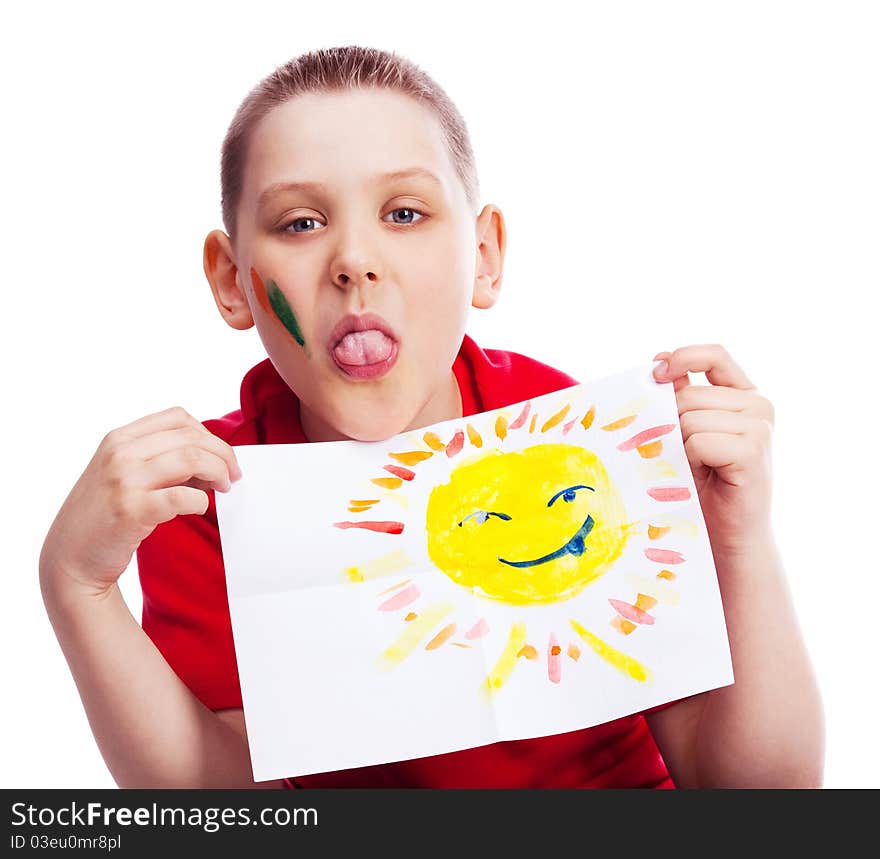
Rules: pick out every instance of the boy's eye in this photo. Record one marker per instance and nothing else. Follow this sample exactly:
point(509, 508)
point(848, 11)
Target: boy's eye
point(410, 211)
point(294, 224)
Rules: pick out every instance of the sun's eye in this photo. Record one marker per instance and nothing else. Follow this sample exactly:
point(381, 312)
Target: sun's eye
point(568, 494)
point(481, 516)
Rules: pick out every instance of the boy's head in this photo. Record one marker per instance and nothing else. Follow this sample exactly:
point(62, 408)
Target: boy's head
point(309, 264)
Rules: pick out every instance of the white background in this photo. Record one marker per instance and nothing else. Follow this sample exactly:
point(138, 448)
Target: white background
point(670, 173)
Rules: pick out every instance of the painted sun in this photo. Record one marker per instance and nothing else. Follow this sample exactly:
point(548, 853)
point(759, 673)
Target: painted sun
point(526, 515)
point(528, 526)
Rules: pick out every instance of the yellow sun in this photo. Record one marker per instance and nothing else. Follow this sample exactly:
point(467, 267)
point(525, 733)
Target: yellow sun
point(529, 526)
point(528, 519)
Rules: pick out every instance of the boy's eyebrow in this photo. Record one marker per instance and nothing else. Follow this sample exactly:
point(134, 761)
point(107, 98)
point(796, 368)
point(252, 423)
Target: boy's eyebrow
point(319, 186)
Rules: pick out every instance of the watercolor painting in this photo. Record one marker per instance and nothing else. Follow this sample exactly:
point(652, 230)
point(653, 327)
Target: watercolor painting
point(522, 572)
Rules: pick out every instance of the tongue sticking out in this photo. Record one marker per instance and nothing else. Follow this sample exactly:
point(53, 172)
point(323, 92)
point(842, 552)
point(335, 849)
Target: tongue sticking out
point(363, 347)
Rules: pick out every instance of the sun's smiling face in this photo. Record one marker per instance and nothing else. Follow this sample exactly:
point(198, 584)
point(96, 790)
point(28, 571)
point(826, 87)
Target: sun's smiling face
point(532, 526)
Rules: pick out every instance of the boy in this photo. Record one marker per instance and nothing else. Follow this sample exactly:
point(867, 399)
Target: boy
point(363, 316)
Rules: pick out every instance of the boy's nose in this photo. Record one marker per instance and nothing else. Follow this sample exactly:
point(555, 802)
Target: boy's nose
point(347, 280)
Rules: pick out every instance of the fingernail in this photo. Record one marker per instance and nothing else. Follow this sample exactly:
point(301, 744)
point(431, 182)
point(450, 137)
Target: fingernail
point(660, 368)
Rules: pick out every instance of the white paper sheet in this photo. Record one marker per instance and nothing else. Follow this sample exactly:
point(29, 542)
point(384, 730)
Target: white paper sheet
point(555, 498)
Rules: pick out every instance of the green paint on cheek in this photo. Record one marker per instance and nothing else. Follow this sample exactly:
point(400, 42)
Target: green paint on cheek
point(284, 311)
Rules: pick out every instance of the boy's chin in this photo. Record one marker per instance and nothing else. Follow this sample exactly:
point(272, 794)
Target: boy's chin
point(375, 422)
point(373, 427)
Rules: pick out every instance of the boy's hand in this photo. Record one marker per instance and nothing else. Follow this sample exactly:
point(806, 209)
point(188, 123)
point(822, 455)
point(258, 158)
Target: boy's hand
point(727, 430)
point(144, 473)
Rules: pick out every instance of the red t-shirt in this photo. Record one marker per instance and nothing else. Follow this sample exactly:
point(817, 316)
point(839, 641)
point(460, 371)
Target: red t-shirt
point(186, 612)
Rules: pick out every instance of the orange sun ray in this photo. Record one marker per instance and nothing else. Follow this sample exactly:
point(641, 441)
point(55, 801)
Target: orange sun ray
point(411, 457)
point(557, 418)
point(433, 441)
point(474, 437)
point(387, 482)
point(437, 641)
point(620, 423)
point(393, 587)
point(587, 420)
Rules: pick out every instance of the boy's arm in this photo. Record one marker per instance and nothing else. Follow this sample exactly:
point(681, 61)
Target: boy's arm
point(766, 730)
point(151, 730)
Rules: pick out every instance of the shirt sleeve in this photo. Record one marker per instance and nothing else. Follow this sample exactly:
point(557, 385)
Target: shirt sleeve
point(186, 608)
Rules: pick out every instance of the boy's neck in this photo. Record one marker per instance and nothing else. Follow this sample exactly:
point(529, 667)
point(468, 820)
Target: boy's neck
point(445, 405)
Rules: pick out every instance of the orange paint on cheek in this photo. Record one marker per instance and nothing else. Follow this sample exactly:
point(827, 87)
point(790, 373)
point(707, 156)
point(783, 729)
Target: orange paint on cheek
point(274, 302)
point(260, 292)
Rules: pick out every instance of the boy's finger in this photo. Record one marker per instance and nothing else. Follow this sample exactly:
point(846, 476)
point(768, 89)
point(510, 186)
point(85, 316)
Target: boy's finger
point(147, 448)
point(171, 418)
point(709, 358)
point(177, 467)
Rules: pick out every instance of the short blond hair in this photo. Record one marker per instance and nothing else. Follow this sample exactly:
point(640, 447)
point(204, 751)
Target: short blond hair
point(329, 70)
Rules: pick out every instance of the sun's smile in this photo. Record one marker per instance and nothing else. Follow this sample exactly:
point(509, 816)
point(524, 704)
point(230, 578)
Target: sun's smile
point(575, 546)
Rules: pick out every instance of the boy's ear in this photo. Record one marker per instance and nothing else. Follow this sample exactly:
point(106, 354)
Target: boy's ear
point(223, 275)
point(491, 244)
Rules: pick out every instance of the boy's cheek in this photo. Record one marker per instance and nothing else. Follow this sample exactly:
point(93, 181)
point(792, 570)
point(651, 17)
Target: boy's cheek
point(282, 309)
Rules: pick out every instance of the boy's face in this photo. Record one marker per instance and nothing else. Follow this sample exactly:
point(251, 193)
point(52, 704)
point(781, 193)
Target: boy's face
point(310, 263)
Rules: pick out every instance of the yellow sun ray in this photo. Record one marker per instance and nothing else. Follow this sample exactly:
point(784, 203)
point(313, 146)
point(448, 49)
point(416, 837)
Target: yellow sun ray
point(398, 498)
point(382, 565)
point(656, 469)
point(656, 588)
point(627, 411)
point(415, 631)
point(611, 655)
point(678, 524)
point(499, 675)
